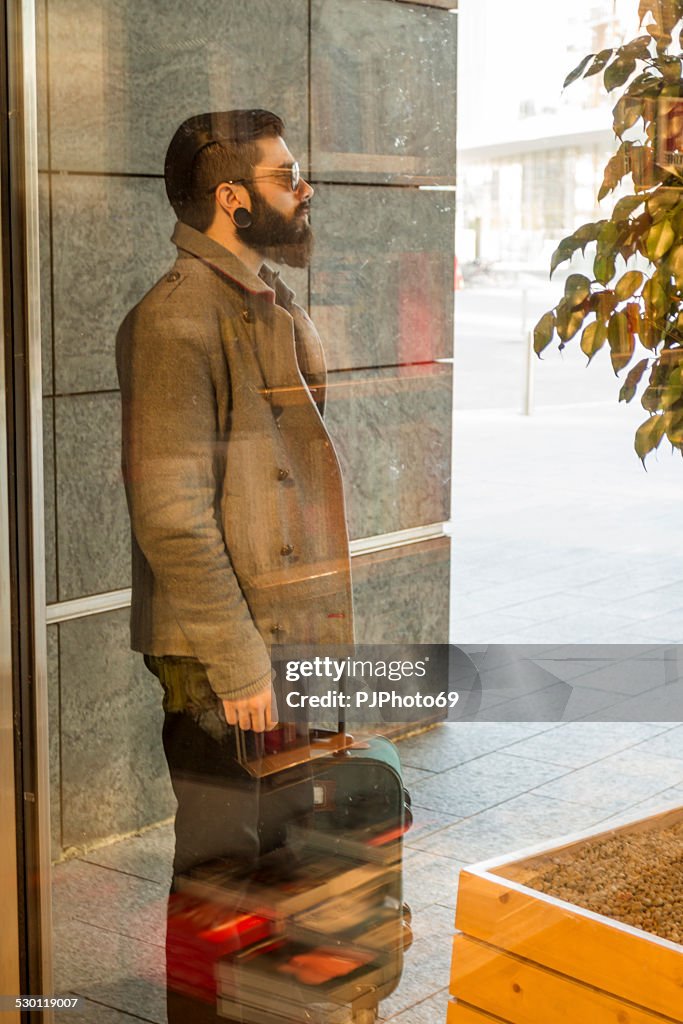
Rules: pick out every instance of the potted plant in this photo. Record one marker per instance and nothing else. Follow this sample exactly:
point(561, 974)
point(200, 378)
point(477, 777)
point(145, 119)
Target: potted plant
point(635, 313)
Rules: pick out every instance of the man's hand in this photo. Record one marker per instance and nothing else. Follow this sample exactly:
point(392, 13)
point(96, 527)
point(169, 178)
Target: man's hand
point(257, 712)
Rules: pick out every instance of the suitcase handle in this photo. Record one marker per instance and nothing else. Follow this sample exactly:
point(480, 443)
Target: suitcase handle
point(297, 748)
point(252, 755)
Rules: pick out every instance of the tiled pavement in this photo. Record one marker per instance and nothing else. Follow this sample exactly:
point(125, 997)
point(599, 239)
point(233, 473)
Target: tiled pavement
point(560, 536)
point(479, 790)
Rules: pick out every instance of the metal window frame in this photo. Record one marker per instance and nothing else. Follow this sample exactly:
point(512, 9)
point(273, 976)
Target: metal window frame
point(22, 500)
point(10, 976)
point(115, 600)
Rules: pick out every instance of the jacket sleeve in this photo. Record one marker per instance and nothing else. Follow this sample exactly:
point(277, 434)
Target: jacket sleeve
point(170, 448)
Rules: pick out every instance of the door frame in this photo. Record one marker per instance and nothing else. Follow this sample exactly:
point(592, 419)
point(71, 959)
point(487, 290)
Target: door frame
point(24, 751)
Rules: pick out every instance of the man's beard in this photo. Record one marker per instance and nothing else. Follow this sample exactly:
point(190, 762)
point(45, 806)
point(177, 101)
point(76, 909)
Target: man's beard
point(276, 237)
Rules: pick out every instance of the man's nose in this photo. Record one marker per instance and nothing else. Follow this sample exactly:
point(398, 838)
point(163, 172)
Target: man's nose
point(306, 189)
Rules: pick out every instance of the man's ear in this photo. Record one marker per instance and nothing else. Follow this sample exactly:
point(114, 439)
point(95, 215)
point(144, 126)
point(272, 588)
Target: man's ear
point(228, 198)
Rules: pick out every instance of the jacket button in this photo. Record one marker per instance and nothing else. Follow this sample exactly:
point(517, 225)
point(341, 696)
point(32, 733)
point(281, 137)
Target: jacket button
point(286, 549)
point(276, 629)
point(282, 474)
point(277, 411)
point(175, 276)
point(247, 316)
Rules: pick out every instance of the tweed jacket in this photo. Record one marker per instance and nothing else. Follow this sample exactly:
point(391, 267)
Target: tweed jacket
point(239, 536)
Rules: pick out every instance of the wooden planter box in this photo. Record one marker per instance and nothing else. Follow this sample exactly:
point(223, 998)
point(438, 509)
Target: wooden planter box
point(523, 957)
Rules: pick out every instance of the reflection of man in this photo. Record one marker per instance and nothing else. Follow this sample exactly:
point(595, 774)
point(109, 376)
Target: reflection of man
point(233, 487)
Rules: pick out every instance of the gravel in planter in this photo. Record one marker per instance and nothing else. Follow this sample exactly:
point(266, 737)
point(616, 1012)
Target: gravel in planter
point(636, 878)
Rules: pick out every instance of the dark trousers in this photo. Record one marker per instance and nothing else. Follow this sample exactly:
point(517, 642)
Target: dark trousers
point(223, 810)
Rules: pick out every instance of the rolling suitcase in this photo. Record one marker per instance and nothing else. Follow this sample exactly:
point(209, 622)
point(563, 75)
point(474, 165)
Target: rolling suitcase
point(326, 894)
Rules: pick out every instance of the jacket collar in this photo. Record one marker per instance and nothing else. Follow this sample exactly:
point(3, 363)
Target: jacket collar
point(284, 296)
point(198, 244)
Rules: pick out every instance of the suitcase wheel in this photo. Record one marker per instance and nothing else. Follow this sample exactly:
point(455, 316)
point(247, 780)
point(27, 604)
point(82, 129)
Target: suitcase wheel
point(367, 1016)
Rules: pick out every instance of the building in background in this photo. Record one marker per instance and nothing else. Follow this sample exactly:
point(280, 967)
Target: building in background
point(531, 157)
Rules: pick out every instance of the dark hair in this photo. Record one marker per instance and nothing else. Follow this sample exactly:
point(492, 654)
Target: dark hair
point(208, 149)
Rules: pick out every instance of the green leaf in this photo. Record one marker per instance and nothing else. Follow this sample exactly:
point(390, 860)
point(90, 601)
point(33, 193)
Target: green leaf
point(670, 68)
point(588, 233)
point(604, 268)
point(607, 235)
point(660, 238)
point(629, 247)
point(644, 171)
point(650, 398)
point(649, 332)
point(626, 112)
point(616, 169)
point(645, 84)
point(638, 48)
point(648, 436)
point(621, 342)
point(543, 332)
point(626, 206)
point(619, 72)
point(628, 285)
point(676, 265)
point(677, 221)
point(576, 290)
point(674, 428)
point(672, 390)
point(665, 387)
point(655, 299)
point(599, 62)
point(593, 338)
point(578, 70)
point(662, 200)
point(630, 385)
point(568, 321)
point(668, 12)
point(564, 252)
point(605, 304)
point(661, 37)
point(579, 240)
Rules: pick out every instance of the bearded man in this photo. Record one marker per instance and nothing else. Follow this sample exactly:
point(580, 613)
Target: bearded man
point(239, 534)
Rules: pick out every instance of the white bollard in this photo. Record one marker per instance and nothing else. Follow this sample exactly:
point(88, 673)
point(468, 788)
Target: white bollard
point(530, 372)
point(528, 341)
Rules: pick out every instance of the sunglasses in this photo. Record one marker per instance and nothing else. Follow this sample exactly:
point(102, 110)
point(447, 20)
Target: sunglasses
point(289, 177)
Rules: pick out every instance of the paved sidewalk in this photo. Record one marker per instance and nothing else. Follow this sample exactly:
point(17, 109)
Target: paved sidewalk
point(479, 790)
point(560, 536)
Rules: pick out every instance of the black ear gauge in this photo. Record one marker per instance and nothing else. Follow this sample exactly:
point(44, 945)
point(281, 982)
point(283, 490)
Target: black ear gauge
point(242, 217)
